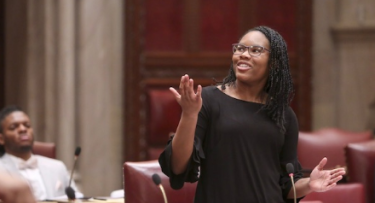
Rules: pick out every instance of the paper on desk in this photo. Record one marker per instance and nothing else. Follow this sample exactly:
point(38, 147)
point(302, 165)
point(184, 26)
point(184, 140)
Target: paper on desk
point(107, 200)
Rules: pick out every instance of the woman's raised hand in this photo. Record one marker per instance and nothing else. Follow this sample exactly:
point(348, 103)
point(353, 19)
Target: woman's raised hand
point(189, 100)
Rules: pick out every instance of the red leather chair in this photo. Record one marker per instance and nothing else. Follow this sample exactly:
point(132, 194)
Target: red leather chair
point(47, 149)
point(139, 187)
point(331, 143)
point(163, 116)
point(361, 166)
point(342, 193)
point(328, 142)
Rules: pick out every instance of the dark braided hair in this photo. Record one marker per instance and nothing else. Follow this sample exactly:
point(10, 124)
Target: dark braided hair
point(279, 85)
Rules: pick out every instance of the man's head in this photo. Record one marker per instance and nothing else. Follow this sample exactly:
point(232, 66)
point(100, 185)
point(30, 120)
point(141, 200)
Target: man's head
point(16, 133)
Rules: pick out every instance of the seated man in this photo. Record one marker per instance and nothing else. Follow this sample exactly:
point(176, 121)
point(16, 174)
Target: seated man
point(47, 177)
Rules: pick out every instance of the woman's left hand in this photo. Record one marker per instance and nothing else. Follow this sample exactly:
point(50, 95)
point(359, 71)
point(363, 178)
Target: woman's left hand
point(322, 180)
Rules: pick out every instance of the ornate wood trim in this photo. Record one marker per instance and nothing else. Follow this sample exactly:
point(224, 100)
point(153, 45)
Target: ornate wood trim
point(303, 47)
point(183, 60)
point(353, 33)
point(191, 34)
point(2, 53)
point(132, 44)
point(247, 18)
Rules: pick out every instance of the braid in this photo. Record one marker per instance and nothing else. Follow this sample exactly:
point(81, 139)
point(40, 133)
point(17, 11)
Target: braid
point(279, 85)
point(230, 78)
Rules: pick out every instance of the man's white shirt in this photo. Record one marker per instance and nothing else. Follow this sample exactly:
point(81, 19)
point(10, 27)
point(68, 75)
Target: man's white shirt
point(32, 175)
point(47, 177)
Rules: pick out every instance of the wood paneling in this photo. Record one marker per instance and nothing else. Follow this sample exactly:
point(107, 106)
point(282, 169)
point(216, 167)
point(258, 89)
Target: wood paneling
point(280, 16)
point(132, 43)
point(191, 39)
point(246, 17)
point(185, 60)
point(219, 25)
point(164, 27)
point(2, 54)
point(303, 66)
point(164, 40)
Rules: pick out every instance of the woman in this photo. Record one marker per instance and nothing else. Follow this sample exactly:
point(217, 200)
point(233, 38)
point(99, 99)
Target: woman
point(236, 138)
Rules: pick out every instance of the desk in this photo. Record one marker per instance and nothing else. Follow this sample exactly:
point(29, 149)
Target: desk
point(120, 200)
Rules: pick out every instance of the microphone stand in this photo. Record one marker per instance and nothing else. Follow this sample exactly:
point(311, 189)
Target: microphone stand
point(74, 166)
point(157, 180)
point(290, 170)
point(294, 188)
point(69, 191)
point(163, 191)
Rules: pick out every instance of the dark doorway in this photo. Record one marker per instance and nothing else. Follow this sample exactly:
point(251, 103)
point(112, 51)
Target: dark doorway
point(2, 53)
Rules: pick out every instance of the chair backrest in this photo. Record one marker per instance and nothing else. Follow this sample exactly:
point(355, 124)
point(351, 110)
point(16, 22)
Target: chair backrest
point(341, 193)
point(328, 142)
point(361, 166)
point(163, 115)
point(47, 149)
point(139, 187)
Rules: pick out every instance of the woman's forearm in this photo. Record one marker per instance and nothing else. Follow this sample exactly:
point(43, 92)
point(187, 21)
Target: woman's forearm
point(302, 188)
point(183, 141)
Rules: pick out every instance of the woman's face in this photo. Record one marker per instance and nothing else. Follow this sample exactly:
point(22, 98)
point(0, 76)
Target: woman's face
point(252, 70)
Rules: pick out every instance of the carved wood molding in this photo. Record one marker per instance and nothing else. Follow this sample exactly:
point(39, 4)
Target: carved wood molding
point(191, 60)
point(343, 32)
point(173, 82)
point(2, 53)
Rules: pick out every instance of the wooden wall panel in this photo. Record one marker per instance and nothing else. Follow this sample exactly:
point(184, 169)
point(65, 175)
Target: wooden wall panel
point(167, 39)
point(281, 16)
point(163, 25)
point(219, 25)
point(2, 54)
point(303, 46)
point(132, 44)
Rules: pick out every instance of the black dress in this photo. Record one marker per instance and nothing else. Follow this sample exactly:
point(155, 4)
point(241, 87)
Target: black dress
point(239, 153)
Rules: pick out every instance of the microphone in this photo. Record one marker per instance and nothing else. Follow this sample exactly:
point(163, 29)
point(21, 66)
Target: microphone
point(290, 170)
point(69, 191)
point(157, 181)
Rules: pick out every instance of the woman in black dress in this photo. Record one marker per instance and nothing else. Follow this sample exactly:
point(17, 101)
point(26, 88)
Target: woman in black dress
point(236, 138)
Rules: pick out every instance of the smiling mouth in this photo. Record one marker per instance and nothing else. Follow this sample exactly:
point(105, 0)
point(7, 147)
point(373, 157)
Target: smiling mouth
point(243, 66)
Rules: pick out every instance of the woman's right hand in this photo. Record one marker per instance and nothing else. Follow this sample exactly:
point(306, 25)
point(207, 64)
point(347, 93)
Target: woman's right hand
point(182, 143)
point(189, 100)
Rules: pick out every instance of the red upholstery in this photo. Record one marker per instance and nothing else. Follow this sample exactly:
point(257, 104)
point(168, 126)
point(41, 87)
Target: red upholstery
point(314, 201)
point(139, 187)
point(342, 193)
point(154, 152)
point(47, 149)
point(361, 166)
point(330, 143)
point(163, 115)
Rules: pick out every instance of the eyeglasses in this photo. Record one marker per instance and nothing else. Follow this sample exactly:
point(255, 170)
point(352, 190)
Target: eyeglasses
point(253, 50)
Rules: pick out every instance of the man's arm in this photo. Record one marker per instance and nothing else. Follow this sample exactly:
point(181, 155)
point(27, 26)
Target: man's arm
point(14, 190)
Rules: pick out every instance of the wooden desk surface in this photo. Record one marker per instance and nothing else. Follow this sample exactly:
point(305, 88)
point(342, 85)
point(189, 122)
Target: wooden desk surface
point(120, 200)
